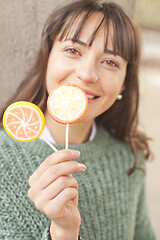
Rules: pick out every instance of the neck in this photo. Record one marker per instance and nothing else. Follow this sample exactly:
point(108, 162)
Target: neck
point(78, 132)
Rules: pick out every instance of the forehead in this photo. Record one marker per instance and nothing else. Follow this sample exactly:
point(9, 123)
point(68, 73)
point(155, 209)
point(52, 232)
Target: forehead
point(88, 29)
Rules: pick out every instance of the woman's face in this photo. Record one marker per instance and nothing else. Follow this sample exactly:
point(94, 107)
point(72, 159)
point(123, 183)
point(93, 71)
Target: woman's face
point(100, 74)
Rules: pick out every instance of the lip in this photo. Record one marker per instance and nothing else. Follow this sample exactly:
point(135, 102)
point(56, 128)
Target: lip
point(88, 92)
point(91, 93)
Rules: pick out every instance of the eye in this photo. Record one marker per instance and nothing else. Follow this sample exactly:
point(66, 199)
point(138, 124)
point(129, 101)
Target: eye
point(111, 63)
point(73, 51)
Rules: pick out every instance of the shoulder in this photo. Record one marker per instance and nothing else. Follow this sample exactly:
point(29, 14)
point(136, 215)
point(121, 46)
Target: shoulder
point(5, 142)
point(119, 150)
point(8, 145)
point(36, 147)
point(3, 135)
point(19, 157)
point(11, 153)
point(23, 154)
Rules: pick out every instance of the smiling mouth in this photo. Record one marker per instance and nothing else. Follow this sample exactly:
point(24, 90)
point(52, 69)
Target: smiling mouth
point(91, 96)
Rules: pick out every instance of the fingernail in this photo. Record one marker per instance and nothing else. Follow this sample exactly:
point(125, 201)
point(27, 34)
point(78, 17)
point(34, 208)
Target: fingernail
point(75, 153)
point(82, 166)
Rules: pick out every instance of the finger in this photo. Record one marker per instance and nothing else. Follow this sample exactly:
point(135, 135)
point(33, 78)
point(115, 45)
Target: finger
point(53, 159)
point(56, 171)
point(59, 185)
point(52, 190)
point(67, 196)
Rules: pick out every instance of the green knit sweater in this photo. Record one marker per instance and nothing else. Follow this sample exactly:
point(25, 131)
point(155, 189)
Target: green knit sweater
point(111, 203)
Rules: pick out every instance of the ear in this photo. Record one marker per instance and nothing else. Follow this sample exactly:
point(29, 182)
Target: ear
point(122, 89)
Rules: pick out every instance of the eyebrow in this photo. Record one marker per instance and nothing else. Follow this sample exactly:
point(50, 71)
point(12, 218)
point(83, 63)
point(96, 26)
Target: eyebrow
point(111, 52)
point(77, 41)
point(85, 45)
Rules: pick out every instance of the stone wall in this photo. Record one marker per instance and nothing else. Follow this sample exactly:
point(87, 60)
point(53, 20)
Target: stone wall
point(21, 23)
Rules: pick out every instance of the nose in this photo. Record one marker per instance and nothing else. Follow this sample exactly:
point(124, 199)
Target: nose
point(86, 71)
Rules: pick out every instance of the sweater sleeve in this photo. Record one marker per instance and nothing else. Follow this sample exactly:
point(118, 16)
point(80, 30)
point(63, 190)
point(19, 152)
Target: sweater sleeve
point(45, 234)
point(19, 219)
point(143, 229)
point(47, 237)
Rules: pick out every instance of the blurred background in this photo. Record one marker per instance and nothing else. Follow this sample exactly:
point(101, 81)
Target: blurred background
point(21, 24)
point(147, 16)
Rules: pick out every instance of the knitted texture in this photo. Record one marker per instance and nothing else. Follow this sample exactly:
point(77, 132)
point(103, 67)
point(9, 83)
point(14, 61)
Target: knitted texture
point(111, 203)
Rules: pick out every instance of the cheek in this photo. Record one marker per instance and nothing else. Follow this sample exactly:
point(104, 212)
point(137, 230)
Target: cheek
point(113, 83)
point(56, 73)
point(112, 88)
point(57, 68)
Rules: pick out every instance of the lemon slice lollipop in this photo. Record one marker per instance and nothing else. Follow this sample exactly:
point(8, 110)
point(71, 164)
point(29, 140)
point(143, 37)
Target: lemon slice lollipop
point(23, 121)
point(67, 104)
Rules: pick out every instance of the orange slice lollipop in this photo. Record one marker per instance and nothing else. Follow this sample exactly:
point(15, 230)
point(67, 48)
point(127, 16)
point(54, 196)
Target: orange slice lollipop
point(23, 121)
point(67, 104)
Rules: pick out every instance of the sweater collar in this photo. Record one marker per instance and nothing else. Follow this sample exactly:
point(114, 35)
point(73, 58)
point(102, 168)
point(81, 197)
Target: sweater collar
point(47, 135)
point(99, 143)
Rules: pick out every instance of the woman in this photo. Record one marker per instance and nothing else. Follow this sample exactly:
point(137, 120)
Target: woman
point(95, 46)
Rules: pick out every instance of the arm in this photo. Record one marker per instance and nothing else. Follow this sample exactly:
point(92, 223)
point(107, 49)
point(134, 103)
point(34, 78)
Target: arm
point(18, 217)
point(47, 236)
point(54, 192)
point(143, 229)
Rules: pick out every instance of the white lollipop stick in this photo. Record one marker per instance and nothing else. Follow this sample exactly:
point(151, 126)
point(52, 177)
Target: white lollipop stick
point(66, 136)
point(53, 147)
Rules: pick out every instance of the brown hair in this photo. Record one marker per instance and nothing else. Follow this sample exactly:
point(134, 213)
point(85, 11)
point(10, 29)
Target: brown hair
point(121, 119)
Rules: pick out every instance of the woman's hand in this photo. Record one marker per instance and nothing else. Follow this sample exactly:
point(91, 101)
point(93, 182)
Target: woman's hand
point(54, 192)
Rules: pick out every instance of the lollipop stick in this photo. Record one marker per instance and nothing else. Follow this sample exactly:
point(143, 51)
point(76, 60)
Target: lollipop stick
point(53, 147)
point(66, 136)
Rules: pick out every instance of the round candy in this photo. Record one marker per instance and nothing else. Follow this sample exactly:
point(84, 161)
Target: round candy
point(67, 104)
point(23, 121)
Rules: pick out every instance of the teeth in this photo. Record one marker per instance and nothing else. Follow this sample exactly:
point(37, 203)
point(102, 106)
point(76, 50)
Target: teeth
point(90, 96)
